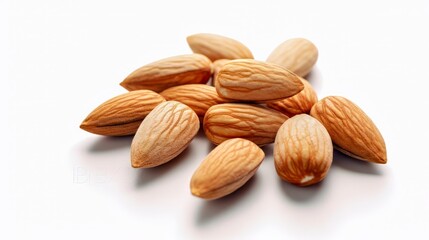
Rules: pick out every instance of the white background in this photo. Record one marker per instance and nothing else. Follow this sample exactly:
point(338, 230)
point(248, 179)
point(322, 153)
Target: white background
point(61, 59)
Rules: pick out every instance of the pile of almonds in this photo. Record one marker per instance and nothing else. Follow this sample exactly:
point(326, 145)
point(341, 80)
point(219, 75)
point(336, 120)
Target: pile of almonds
point(252, 103)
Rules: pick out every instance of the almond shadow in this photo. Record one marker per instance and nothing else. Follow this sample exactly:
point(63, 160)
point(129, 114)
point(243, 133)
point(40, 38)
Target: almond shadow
point(346, 162)
point(212, 209)
point(105, 143)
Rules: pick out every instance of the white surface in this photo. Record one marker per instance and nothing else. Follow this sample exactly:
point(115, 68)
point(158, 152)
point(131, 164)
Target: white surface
point(60, 59)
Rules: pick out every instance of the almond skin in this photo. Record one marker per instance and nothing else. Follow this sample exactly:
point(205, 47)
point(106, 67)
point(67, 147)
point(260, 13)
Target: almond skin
point(218, 47)
point(302, 151)
point(216, 66)
point(169, 72)
point(121, 115)
point(163, 134)
point(199, 97)
point(251, 80)
point(351, 130)
point(297, 104)
point(227, 167)
point(298, 55)
point(234, 120)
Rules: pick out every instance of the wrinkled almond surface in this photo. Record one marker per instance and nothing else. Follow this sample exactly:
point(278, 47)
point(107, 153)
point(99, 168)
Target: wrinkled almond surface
point(169, 72)
point(298, 55)
point(298, 103)
point(218, 47)
point(234, 120)
point(302, 151)
point(216, 66)
point(163, 134)
point(199, 97)
point(122, 114)
point(351, 130)
point(251, 80)
point(227, 167)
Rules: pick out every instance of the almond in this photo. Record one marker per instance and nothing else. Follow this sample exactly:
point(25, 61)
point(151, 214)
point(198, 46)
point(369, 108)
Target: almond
point(228, 167)
point(199, 97)
point(298, 55)
point(297, 104)
point(122, 114)
point(302, 151)
point(216, 66)
point(163, 134)
point(251, 80)
point(217, 47)
point(234, 120)
point(169, 72)
point(351, 130)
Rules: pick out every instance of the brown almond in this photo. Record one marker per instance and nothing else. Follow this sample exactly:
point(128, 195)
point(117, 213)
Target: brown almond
point(298, 55)
point(298, 103)
point(218, 47)
point(234, 120)
point(251, 80)
point(216, 66)
point(169, 72)
point(351, 130)
point(227, 167)
point(302, 151)
point(122, 114)
point(199, 97)
point(163, 134)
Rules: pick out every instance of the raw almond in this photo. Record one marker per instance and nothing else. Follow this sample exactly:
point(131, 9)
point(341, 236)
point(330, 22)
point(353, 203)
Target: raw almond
point(298, 55)
point(351, 130)
point(199, 97)
point(251, 80)
point(163, 134)
point(228, 167)
point(216, 66)
point(218, 47)
point(122, 114)
point(297, 104)
point(169, 72)
point(234, 120)
point(302, 151)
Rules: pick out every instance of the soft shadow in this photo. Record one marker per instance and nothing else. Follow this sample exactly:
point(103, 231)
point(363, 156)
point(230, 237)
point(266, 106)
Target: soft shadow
point(268, 150)
point(103, 144)
point(301, 194)
point(315, 78)
point(149, 175)
point(213, 209)
point(201, 134)
point(346, 162)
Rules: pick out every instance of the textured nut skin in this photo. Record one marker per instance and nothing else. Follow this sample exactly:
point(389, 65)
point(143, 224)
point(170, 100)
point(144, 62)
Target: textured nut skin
point(234, 120)
point(217, 47)
point(351, 130)
point(298, 55)
point(227, 167)
point(121, 115)
point(302, 151)
point(163, 134)
point(251, 80)
point(297, 104)
point(216, 66)
point(199, 97)
point(169, 72)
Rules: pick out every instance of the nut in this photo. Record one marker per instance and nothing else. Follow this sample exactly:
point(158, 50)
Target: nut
point(227, 167)
point(298, 55)
point(302, 151)
point(234, 120)
point(251, 80)
point(218, 47)
point(122, 114)
point(199, 97)
point(298, 103)
point(163, 134)
point(351, 130)
point(169, 72)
